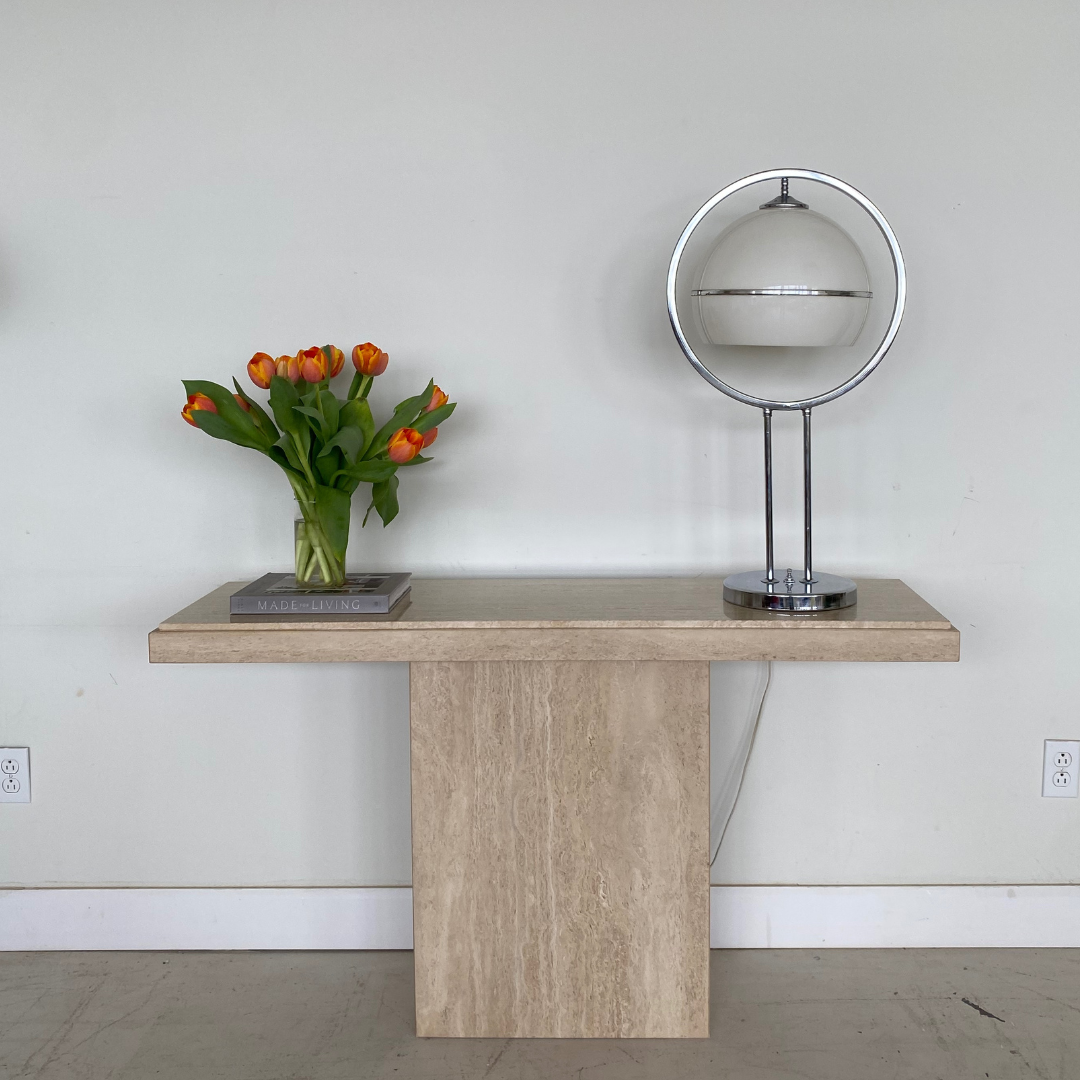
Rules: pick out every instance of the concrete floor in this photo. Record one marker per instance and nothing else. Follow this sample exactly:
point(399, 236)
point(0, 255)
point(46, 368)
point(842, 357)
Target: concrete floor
point(933, 1014)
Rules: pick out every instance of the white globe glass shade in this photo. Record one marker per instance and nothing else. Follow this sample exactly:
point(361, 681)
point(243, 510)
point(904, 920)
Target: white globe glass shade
point(772, 279)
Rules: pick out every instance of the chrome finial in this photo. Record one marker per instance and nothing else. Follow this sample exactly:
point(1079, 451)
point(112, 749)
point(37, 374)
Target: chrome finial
point(784, 201)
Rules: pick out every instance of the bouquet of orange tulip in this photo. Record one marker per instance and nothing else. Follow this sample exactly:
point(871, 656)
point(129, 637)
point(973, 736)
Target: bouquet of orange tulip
point(326, 446)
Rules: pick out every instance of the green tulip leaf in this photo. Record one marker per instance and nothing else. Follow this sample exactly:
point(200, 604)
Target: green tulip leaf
point(332, 506)
point(278, 455)
point(403, 416)
point(371, 472)
point(349, 439)
point(330, 407)
point(220, 428)
point(357, 413)
point(217, 394)
point(302, 442)
point(287, 446)
point(259, 415)
point(421, 401)
point(314, 419)
point(418, 460)
point(229, 411)
point(434, 418)
point(329, 465)
point(384, 499)
point(283, 398)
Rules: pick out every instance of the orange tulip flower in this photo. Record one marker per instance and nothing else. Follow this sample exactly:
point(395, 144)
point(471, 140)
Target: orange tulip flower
point(336, 358)
point(429, 437)
point(196, 403)
point(242, 403)
point(261, 369)
point(404, 445)
point(288, 367)
point(369, 359)
point(313, 365)
point(438, 400)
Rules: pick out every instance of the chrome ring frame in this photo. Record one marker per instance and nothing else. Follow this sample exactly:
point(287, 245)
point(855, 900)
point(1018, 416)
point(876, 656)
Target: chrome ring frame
point(898, 302)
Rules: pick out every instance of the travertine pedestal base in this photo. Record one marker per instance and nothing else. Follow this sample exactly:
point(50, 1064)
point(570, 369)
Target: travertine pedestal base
point(561, 848)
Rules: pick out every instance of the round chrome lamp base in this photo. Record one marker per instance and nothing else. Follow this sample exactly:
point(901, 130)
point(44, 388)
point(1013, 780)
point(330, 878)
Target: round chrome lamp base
point(826, 592)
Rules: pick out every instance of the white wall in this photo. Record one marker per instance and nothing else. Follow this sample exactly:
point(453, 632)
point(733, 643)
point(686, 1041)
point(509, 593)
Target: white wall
point(491, 192)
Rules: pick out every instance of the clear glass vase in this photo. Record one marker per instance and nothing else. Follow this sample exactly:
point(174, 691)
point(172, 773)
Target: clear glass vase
point(316, 564)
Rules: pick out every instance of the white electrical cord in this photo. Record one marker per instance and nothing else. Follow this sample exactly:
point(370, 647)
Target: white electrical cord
point(746, 762)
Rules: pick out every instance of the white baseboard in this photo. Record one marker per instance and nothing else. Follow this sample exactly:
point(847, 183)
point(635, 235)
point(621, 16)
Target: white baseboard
point(55, 919)
point(743, 917)
point(895, 916)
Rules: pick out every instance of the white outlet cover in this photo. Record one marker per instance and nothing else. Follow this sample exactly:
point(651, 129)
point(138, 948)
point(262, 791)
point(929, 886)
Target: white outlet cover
point(14, 774)
point(1061, 769)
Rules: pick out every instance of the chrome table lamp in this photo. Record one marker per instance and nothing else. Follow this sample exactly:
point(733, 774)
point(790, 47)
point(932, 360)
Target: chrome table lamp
point(785, 275)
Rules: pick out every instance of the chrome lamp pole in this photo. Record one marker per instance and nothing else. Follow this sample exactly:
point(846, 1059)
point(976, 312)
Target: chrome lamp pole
point(786, 276)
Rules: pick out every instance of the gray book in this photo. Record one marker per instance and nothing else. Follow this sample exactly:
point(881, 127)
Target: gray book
point(277, 596)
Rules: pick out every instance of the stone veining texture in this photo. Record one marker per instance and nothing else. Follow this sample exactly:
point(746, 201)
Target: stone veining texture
point(570, 619)
point(560, 849)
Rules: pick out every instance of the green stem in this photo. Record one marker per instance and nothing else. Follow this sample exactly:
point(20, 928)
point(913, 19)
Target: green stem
point(303, 551)
point(301, 453)
point(305, 498)
point(315, 546)
point(333, 572)
point(329, 578)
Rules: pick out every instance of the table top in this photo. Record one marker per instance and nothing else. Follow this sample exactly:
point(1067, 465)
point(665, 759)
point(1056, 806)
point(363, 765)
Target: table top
point(676, 618)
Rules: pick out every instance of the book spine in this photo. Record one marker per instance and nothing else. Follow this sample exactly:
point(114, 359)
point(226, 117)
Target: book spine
point(308, 605)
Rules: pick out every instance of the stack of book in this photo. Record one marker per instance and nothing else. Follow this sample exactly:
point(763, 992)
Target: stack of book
point(277, 598)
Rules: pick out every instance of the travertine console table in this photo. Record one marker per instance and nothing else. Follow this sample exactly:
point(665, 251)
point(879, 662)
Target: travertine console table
point(560, 779)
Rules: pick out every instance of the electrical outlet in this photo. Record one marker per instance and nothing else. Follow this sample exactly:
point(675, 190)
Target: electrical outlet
point(1061, 769)
point(14, 774)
